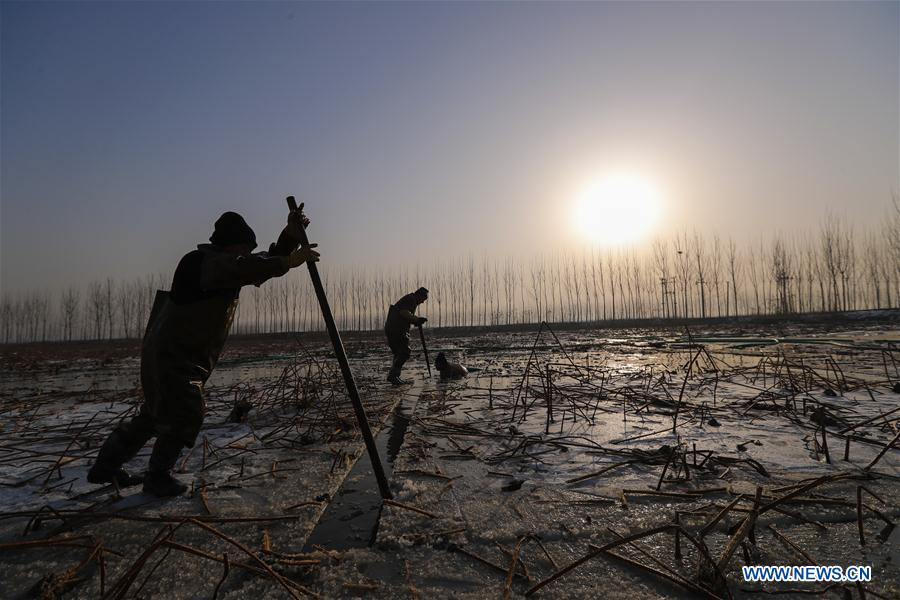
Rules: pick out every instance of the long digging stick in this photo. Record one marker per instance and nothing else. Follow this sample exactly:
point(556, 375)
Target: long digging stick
point(345, 367)
point(425, 349)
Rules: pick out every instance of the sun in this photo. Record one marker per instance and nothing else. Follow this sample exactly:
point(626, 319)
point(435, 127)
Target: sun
point(618, 208)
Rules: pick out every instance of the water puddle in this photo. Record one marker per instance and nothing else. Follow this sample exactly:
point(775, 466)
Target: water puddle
point(351, 519)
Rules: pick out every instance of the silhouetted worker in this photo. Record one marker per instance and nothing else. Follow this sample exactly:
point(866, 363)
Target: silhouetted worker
point(400, 316)
point(184, 337)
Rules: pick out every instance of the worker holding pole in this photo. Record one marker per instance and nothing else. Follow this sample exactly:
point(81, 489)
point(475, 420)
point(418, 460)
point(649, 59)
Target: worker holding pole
point(401, 316)
point(185, 334)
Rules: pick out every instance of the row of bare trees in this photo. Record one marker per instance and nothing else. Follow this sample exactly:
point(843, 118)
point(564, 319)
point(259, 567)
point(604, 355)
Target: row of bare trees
point(101, 310)
point(686, 276)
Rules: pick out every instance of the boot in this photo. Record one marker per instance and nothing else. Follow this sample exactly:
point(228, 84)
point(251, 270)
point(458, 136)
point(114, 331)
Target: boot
point(120, 447)
point(159, 482)
point(163, 485)
point(395, 380)
point(120, 477)
point(400, 349)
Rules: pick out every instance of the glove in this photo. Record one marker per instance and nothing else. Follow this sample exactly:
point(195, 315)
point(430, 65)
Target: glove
point(296, 220)
point(421, 321)
point(302, 255)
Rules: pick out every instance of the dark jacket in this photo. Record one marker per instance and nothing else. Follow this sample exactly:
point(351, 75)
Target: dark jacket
point(188, 327)
point(402, 315)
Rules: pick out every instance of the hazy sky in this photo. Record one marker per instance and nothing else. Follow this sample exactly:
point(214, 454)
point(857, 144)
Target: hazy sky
point(418, 130)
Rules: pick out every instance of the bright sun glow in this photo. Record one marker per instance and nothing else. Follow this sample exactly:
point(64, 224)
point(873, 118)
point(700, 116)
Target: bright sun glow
point(617, 209)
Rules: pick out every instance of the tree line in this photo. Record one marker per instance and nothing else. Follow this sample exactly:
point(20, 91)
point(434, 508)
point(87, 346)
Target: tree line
point(685, 276)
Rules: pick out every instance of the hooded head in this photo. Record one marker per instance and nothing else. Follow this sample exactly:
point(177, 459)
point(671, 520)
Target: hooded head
point(232, 230)
point(421, 295)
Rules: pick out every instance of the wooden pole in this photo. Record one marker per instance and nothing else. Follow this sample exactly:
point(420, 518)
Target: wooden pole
point(549, 400)
point(424, 349)
point(345, 366)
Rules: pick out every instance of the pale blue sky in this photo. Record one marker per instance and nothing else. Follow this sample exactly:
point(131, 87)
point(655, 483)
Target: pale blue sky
point(418, 130)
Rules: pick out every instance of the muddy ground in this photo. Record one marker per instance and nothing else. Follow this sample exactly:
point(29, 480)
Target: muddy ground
point(707, 447)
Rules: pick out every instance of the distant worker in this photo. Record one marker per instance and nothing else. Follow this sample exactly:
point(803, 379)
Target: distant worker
point(184, 337)
point(400, 317)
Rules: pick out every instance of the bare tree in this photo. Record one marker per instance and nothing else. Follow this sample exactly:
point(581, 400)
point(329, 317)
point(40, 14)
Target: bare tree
point(734, 272)
point(509, 286)
point(109, 308)
point(612, 270)
point(126, 301)
point(755, 258)
point(873, 260)
point(662, 272)
point(69, 311)
point(892, 239)
point(586, 303)
point(599, 282)
point(682, 262)
point(471, 279)
point(555, 290)
point(7, 315)
point(781, 274)
point(716, 272)
point(537, 286)
point(832, 257)
point(97, 308)
point(701, 268)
